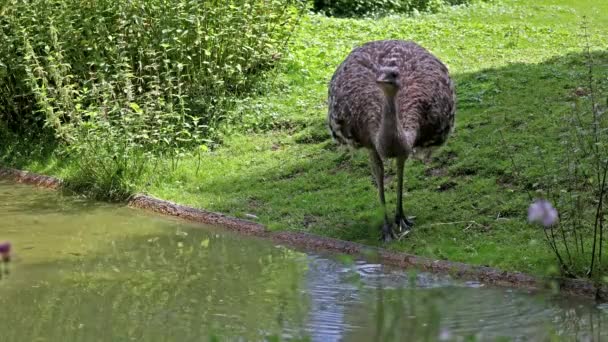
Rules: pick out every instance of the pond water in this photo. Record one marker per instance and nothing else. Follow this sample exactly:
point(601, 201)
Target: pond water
point(87, 271)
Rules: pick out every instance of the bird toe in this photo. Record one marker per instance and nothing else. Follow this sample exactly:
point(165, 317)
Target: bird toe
point(405, 225)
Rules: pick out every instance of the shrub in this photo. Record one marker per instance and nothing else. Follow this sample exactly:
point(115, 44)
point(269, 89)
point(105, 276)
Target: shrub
point(117, 80)
point(350, 8)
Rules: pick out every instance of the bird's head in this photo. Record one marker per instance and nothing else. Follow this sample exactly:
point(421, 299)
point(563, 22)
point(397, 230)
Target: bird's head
point(388, 80)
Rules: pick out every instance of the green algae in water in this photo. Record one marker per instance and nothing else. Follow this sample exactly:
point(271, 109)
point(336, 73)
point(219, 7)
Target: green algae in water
point(87, 271)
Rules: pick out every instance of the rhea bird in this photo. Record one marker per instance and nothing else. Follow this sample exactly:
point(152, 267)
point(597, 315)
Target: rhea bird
point(393, 98)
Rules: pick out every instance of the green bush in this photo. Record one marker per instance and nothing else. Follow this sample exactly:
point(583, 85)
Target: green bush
point(353, 8)
point(116, 80)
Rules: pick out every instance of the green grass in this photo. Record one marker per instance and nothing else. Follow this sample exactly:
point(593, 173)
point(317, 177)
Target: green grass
point(516, 64)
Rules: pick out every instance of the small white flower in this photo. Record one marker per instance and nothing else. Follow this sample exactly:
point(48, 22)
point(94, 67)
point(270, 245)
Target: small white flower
point(541, 211)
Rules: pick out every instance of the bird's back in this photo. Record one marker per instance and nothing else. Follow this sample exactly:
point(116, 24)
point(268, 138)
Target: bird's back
point(426, 102)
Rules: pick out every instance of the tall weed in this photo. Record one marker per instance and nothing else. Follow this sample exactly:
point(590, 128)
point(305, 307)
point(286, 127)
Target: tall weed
point(578, 187)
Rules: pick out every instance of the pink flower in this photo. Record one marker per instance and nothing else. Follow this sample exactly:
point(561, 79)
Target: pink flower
point(5, 247)
point(541, 211)
point(5, 251)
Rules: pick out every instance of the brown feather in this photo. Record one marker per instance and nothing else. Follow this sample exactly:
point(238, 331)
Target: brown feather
point(425, 102)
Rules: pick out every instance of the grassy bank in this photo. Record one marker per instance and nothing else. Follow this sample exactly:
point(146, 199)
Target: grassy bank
point(516, 64)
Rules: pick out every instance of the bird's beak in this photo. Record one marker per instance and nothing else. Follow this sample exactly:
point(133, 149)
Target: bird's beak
point(382, 81)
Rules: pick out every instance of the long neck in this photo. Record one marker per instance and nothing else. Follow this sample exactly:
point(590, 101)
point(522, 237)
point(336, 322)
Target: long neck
point(389, 116)
point(393, 139)
point(389, 135)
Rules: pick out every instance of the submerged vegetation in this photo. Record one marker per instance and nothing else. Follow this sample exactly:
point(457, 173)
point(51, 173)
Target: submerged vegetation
point(222, 106)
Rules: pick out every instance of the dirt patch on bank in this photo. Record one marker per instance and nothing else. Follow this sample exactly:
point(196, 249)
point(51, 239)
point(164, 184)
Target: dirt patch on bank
point(26, 177)
point(196, 215)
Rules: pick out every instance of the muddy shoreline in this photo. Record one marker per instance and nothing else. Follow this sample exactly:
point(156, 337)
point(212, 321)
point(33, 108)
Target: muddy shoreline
point(483, 274)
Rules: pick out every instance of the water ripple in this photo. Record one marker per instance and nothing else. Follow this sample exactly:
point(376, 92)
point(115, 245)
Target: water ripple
point(463, 309)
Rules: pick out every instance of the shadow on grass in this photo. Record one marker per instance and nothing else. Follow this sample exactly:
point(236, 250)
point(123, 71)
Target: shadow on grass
point(20, 151)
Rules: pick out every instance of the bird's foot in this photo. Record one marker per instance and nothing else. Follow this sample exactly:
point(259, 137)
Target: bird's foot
point(404, 225)
point(388, 234)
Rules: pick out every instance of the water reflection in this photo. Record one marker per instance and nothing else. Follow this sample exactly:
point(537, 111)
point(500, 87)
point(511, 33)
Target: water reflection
point(366, 302)
point(88, 272)
point(329, 297)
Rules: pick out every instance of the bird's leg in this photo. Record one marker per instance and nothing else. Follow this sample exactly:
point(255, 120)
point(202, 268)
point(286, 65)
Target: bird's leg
point(404, 223)
point(378, 171)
